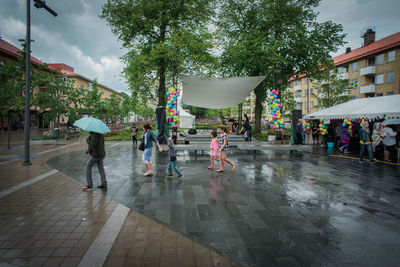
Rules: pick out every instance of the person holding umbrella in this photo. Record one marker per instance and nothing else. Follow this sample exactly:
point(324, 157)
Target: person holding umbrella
point(95, 149)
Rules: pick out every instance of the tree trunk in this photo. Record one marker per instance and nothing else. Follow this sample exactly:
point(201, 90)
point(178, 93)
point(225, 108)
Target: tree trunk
point(161, 86)
point(162, 71)
point(258, 109)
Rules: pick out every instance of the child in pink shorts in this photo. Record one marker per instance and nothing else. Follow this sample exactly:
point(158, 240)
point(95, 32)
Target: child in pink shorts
point(213, 149)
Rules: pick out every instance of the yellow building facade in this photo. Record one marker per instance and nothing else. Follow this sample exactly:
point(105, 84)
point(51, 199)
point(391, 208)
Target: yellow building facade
point(372, 70)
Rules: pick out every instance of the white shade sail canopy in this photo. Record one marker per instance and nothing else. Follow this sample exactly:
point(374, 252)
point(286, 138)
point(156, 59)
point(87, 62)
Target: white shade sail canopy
point(217, 92)
point(368, 108)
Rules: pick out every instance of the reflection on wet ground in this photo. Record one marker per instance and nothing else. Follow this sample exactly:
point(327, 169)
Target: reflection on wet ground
point(275, 209)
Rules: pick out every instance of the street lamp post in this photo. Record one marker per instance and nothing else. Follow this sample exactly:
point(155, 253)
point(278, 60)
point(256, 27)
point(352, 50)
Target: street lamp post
point(27, 121)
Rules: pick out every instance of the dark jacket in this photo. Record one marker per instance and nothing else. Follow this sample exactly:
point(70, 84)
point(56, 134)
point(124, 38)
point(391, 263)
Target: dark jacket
point(365, 138)
point(247, 126)
point(96, 145)
point(149, 139)
point(299, 128)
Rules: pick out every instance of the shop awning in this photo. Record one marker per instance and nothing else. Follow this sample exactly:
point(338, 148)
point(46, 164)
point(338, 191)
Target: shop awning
point(217, 92)
point(367, 108)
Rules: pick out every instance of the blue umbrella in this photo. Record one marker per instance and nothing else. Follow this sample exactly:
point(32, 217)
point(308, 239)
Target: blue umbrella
point(92, 125)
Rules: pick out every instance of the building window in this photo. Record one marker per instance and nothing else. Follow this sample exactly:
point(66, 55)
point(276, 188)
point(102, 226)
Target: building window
point(305, 105)
point(89, 86)
point(297, 82)
point(312, 91)
point(82, 87)
point(354, 67)
point(312, 104)
point(305, 80)
point(389, 93)
point(291, 84)
point(379, 94)
point(298, 94)
point(390, 76)
point(379, 78)
point(305, 93)
point(379, 59)
point(390, 56)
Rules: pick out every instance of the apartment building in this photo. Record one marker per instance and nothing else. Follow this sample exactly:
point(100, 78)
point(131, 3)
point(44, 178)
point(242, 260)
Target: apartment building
point(9, 52)
point(372, 70)
point(83, 83)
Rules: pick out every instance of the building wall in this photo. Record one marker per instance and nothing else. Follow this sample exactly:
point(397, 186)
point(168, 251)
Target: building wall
point(381, 89)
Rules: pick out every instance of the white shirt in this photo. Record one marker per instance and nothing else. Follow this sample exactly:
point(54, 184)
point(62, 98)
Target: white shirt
point(390, 138)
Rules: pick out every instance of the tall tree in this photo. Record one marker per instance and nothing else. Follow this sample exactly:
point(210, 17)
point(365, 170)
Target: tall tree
point(93, 103)
point(275, 38)
point(331, 90)
point(57, 96)
point(113, 108)
point(164, 38)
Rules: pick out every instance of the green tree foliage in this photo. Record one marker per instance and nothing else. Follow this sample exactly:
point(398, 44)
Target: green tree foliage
point(12, 80)
point(275, 38)
point(164, 38)
point(113, 108)
point(56, 97)
point(207, 112)
point(330, 89)
point(93, 103)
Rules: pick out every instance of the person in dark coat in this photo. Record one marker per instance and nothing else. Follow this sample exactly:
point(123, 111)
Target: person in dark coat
point(247, 128)
point(299, 133)
point(97, 154)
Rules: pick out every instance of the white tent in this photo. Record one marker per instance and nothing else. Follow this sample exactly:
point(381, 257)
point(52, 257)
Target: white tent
point(217, 92)
point(187, 119)
point(368, 108)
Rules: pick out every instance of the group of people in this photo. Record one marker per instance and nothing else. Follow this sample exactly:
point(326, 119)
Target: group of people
point(377, 141)
point(381, 140)
point(219, 146)
point(234, 127)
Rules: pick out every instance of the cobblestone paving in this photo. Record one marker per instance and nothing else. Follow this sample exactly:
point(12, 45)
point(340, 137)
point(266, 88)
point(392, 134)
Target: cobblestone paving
point(276, 209)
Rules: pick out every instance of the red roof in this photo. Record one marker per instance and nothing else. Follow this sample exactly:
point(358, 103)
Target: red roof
point(373, 48)
point(9, 49)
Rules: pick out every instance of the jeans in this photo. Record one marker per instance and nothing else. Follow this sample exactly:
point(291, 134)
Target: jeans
point(172, 164)
point(249, 136)
point(100, 167)
point(369, 148)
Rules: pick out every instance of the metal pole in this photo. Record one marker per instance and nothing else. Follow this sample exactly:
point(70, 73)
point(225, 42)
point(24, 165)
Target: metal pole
point(27, 124)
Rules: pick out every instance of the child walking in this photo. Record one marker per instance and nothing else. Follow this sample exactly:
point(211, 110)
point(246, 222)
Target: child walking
point(214, 149)
point(223, 149)
point(172, 158)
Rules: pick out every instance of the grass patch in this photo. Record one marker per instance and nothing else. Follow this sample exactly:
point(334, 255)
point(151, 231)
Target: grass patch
point(261, 137)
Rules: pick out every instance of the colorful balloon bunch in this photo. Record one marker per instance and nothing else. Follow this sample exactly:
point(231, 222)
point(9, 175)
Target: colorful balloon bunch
point(322, 127)
point(350, 124)
point(171, 110)
point(277, 118)
point(307, 126)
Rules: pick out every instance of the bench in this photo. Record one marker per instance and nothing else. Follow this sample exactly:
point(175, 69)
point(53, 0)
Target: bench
point(263, 147)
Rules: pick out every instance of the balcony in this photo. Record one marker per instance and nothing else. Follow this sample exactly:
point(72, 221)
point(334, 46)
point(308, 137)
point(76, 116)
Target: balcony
point(366, 89)
point(367, 71)
point(297, 87)
point(298, 99)
point(343, 75)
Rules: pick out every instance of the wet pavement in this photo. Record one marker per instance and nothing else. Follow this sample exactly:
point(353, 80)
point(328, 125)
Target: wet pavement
point(277, 208)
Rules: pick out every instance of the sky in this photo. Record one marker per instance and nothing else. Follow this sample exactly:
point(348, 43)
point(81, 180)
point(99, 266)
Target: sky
point(79, 38)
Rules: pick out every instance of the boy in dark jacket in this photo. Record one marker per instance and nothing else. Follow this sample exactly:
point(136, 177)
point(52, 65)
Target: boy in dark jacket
point(97, 154)
point(172, 158)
